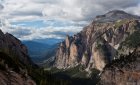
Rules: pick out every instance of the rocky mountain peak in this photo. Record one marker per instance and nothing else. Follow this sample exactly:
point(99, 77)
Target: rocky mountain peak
point(67, 41)
point(116, 12)
point(115, 15)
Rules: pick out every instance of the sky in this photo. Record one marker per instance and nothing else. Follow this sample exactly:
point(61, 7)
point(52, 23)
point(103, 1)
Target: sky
point(41, 19)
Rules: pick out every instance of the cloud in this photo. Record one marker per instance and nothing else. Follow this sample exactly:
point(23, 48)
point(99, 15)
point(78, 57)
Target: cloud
point(1, 6)
point(43, 33)
point(35, 19)
point(25, 8)
point(135, 10)
point(84, 9)
point(62, 9)
point(30, 33)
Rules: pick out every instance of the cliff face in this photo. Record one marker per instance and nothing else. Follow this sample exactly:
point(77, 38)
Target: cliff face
point(124, 71)
point(99, 43)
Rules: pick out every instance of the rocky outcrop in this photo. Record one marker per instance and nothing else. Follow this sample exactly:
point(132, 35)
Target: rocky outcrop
point(97, 44)
point(123, 71)
point(64, 53)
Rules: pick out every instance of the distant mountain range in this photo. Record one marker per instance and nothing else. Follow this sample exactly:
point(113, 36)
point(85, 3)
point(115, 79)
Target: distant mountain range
point(36, 49)
point(39, 52)
point(48, 41)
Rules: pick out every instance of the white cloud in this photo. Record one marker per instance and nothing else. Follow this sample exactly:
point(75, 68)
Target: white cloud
point(23, 18)
point(43, 33)
point(135, 10)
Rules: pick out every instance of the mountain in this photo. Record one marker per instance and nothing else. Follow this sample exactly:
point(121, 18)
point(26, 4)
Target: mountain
point(14, 60)
point(99, 43)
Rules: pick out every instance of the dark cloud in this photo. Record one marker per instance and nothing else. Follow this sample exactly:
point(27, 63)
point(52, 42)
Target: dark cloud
point(20, 32)
point(58, 33)
point(24, 13)
point(93, 8)
point(46, 1)
point(108, 4)
point(1, 7)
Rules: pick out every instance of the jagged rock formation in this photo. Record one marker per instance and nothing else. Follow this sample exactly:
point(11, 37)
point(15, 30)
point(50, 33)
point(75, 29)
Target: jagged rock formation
point(99, 43)
point(123, 71)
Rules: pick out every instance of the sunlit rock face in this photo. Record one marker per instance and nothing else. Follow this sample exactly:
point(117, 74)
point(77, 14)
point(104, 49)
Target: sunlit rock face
point(98, 43)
